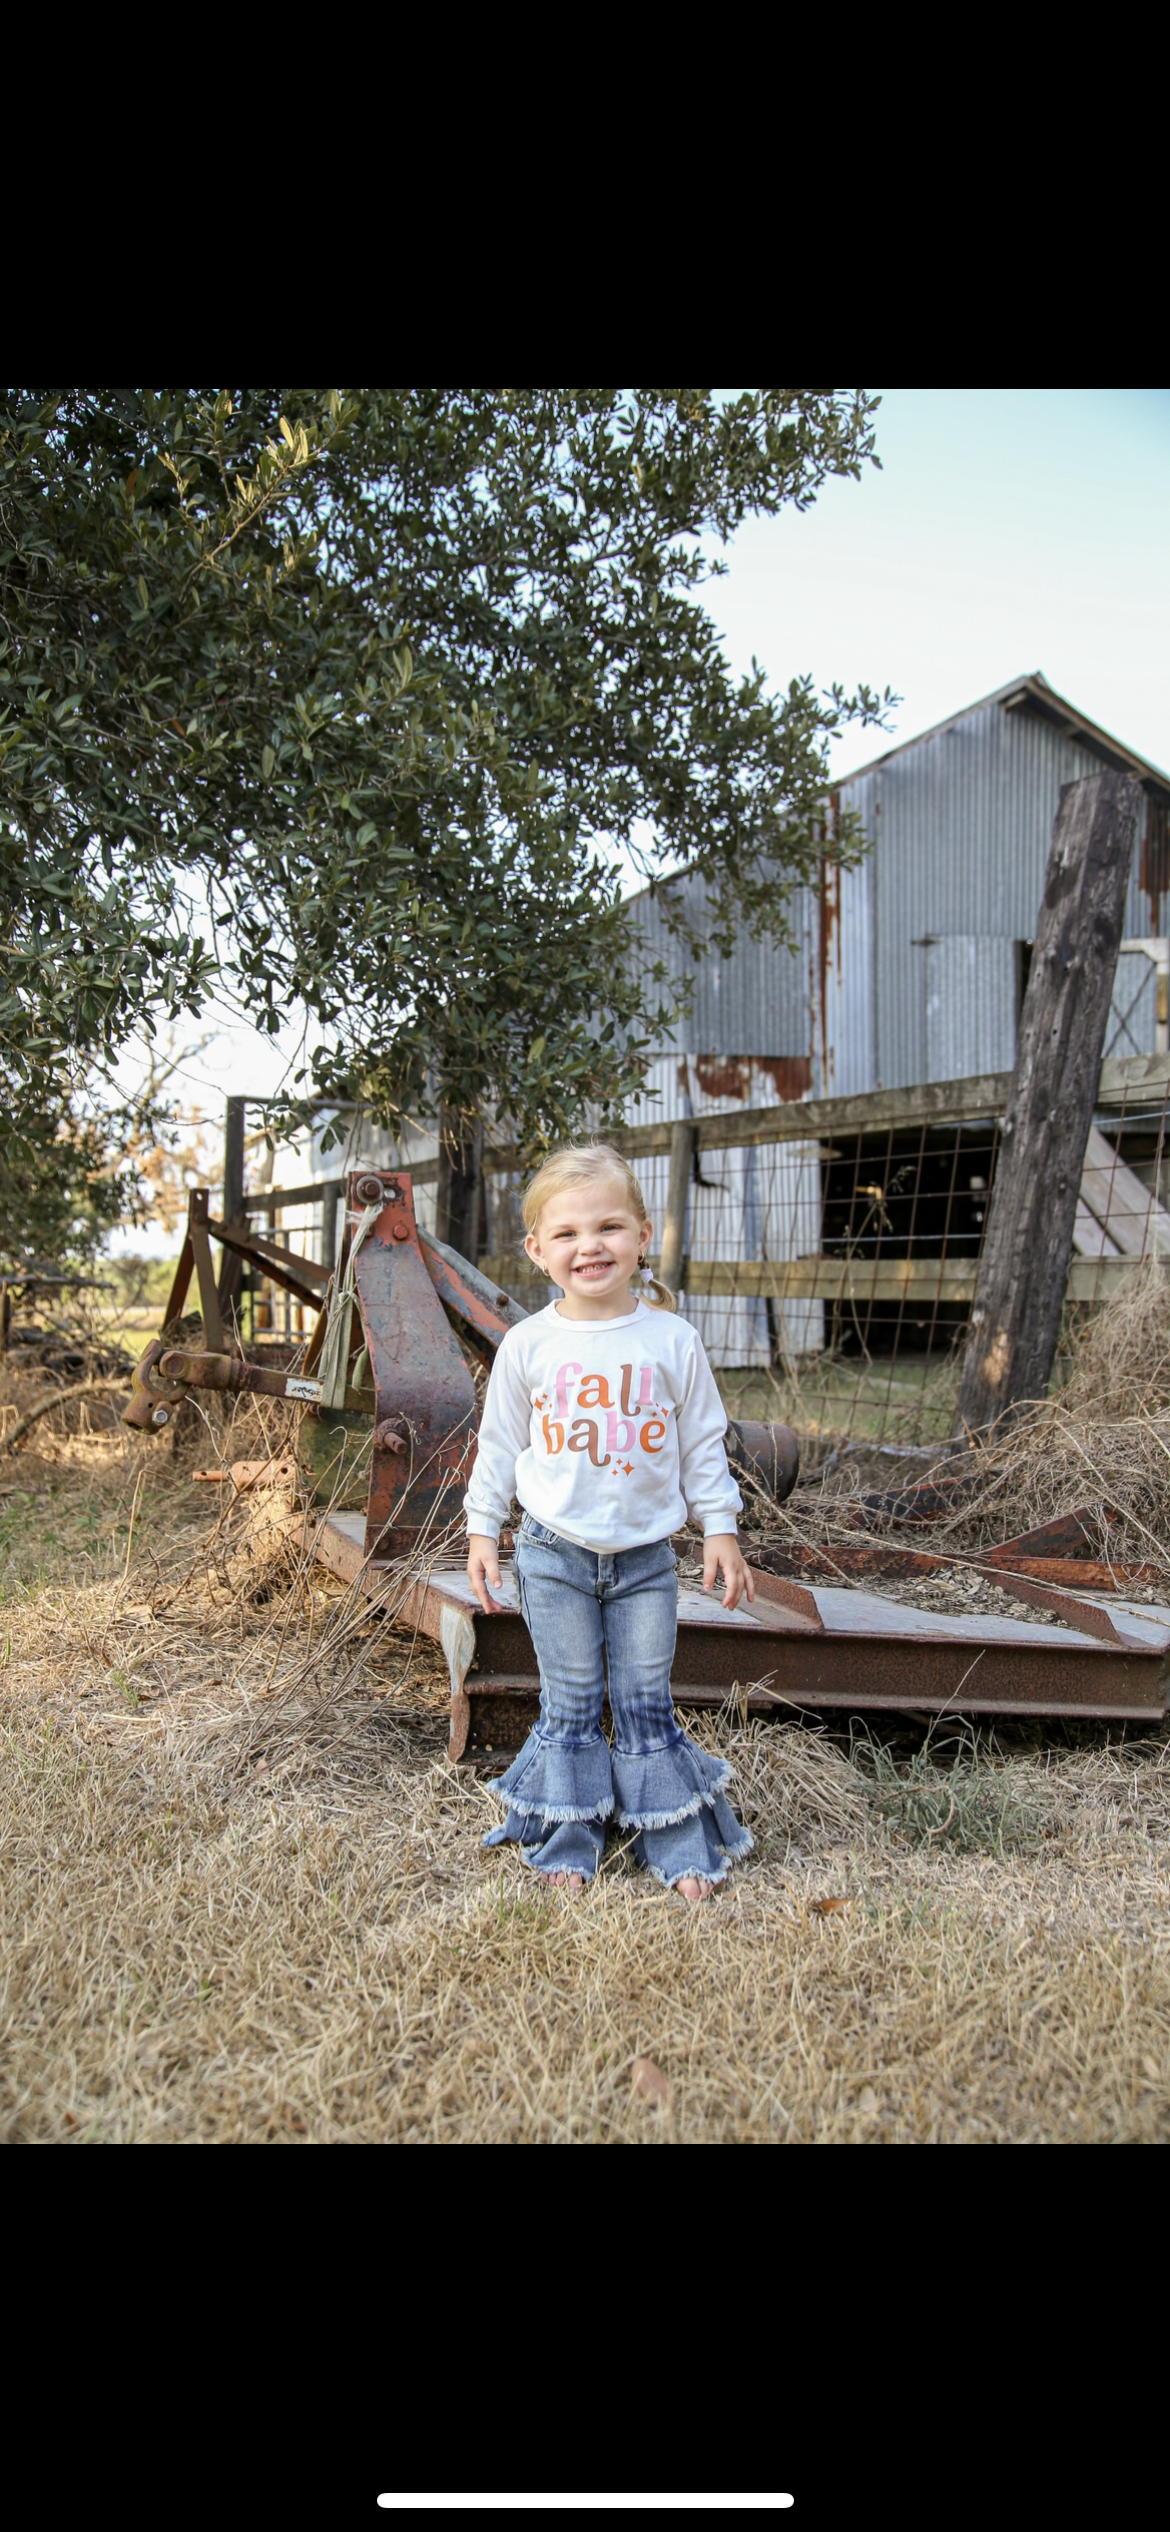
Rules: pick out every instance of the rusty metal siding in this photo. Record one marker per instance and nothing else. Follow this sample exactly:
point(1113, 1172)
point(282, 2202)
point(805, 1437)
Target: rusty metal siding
point(843, 981)
point(961, 824)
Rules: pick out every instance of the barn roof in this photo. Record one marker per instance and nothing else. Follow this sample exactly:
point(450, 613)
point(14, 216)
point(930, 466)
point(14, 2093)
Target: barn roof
point(1034, 694)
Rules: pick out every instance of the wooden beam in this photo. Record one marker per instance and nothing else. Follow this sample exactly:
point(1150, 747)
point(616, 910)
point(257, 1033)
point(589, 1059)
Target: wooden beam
point(1015, 1317)
point(1134, 1079)
point(1129, 1079)
point(282, 1199)
point(808, 1120)
point(233, 1159)
point(1096, 1278)
point(922, 1280)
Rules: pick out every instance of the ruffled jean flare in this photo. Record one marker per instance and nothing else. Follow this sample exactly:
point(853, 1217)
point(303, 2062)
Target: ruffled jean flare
point(598, 1620)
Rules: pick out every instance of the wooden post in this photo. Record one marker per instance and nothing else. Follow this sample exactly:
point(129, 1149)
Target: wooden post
point(458, 1189)
point(1015, 1318)
point(231, 1268)
point(674, 1229)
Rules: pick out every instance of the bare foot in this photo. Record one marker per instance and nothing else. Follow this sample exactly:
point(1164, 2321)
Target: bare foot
point(691, 1888)
point(571, 1881)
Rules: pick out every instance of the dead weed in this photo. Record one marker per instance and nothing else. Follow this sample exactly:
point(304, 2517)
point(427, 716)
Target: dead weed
point(247, 1899)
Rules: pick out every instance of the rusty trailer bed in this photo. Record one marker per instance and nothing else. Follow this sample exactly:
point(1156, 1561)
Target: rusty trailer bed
point(803, 1646)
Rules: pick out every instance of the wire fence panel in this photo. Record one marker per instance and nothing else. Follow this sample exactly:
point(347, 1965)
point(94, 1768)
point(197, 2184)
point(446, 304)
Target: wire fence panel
point(831, 1247)
point(831, 1281)
point(830, 1272)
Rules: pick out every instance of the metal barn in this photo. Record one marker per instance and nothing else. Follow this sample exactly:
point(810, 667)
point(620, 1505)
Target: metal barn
point(910, 968)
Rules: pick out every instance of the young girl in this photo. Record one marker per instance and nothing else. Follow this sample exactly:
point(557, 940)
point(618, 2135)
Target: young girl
point(603, 1417)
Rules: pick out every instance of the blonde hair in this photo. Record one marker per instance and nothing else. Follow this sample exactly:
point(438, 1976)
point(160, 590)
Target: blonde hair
point(580, 1161)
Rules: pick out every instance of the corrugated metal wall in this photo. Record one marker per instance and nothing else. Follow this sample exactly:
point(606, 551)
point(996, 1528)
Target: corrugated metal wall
point(844, 1018)
point(961, 823)
point(971, 997)
point(756, 1003)
point(908, 968)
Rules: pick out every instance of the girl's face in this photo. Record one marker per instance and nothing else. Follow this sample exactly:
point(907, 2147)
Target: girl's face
point(589, 1242)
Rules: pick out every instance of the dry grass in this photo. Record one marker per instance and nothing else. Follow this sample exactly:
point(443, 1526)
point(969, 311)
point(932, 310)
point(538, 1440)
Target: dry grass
point(1099, 1444)
point(245, 1896)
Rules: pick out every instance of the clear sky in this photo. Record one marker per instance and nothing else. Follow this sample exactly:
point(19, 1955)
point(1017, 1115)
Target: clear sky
point(1009, 529)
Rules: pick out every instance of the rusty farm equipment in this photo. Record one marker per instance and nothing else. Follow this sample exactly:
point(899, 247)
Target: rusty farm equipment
point(387, 1439)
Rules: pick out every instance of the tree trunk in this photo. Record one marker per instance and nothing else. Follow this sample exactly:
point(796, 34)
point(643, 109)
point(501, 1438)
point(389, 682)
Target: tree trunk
point(1015, 1320)
point(459, 1184)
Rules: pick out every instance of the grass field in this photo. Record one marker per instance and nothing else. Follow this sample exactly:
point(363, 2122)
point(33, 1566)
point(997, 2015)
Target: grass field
point(907, 1399)
point(245, 1896)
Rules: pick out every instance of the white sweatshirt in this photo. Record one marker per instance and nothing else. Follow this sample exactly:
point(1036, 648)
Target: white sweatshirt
point(608, 1430)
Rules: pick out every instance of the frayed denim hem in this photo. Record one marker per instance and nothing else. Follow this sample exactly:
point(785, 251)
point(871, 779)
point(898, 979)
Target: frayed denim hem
point(690, 1872)
point(554, 1846)
point(706, 1845)
point(517, 1829)
point(706, 1871)
point(663, 1819)
point(556, 1814)
point(658, 1789)
point(555, 1782)
point(531, 1856)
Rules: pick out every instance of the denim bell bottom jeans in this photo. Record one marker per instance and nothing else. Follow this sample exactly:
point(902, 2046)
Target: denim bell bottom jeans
point(598, 1622)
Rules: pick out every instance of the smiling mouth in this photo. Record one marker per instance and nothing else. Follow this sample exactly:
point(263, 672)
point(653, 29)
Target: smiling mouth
point(596, 1266)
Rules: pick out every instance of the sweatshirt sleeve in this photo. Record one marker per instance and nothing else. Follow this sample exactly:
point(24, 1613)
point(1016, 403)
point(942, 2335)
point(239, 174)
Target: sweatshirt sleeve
point(712, 1495)
point(503, 1435)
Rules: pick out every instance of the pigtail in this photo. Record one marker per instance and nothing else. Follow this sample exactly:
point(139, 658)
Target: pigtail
point(657, 1296)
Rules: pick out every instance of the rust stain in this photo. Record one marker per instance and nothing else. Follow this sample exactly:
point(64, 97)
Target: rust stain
point(828, 940)
point(730, 1076)
point(724, 1076)
point(790, 1075)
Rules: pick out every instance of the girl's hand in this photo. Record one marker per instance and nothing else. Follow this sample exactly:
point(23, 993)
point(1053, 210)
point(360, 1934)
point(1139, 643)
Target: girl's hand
point(483, 1567)
point(725, 1551)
